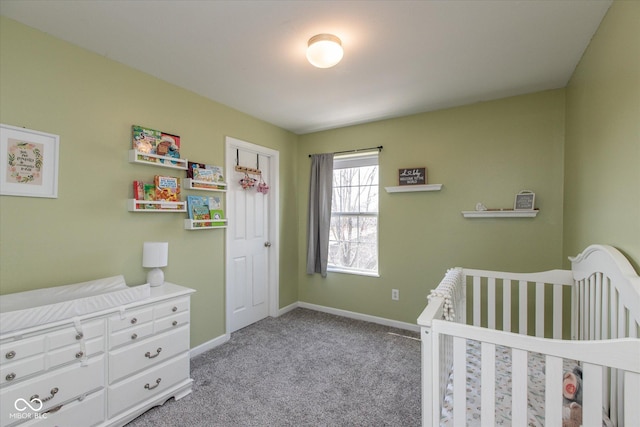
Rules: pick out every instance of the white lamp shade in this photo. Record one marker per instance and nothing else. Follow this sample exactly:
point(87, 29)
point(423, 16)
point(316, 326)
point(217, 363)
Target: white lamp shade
point(324, 51)
point(155, 254)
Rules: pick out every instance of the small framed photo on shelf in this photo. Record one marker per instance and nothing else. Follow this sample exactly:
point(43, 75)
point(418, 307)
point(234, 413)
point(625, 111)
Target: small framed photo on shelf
point(412, 176)
point(29, 162)
point(525, 201)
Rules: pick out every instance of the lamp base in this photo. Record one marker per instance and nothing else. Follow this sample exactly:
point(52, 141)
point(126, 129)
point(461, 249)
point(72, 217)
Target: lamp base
point(155, 277)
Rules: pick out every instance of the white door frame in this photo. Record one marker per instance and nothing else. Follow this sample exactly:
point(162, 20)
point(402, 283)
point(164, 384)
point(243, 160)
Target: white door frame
point(274, 233)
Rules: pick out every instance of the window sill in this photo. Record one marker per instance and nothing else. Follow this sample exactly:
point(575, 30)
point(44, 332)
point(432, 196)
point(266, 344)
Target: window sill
point(355, 272)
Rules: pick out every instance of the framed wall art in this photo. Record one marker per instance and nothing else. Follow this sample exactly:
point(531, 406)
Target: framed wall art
point(28, 162)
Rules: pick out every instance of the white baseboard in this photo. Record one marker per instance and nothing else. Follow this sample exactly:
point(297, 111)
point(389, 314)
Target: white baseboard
point(360, 316)
point(209, 345)
point(288, 308)
point(336, 311)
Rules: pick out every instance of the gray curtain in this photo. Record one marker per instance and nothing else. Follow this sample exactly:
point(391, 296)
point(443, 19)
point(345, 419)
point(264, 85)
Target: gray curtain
point(320, 189)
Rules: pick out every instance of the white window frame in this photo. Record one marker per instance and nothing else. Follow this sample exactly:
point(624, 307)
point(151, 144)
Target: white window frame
point(351, 161)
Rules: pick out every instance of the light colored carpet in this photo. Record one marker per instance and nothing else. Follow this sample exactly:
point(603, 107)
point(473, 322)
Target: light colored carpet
point(305, 368)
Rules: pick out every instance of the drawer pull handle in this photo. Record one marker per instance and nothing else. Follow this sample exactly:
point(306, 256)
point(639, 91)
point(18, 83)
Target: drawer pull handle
point(175, 323)
point(134, 336)
point(148, 353)
point(79, 336)
point(53, 392)
point(11, 376)
point(79, 355)
point(54, 409)
point(10, 355)
point(174, 309)
point(134, 321)
point(151, 387)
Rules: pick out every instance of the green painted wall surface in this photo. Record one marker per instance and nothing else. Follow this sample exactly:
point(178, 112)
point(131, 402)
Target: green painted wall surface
point(602, 180)
point(484, 152)
point(87, 232)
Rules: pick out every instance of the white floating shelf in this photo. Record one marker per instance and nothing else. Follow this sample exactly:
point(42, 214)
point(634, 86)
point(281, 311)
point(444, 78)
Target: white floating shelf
point(411, 188)
point(507, 213)
point(159, 206)
point(198, 224)
point(155, 160)
point(192, 184)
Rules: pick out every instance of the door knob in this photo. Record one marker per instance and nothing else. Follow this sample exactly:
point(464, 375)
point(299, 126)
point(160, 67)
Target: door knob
point(267, 244)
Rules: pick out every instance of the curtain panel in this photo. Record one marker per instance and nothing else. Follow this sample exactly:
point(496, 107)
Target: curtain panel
point(319, 214)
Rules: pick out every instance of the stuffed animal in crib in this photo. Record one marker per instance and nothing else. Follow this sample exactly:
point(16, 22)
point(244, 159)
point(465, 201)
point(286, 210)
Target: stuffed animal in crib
point(572, 398)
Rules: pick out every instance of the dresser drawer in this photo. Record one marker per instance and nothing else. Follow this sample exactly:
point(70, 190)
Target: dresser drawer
point(63, 384)
point(130, 335)
point(171, 322)
point(88, 412)
point(171, 307)
point(131, 318)
point(14, 372)
point(70, 335)
point(12, 351)
point(75, 352)
point(142, 355)
point(147, 384)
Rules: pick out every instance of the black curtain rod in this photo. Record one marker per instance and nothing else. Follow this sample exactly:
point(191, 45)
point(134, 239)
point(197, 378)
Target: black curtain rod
point(379, 148)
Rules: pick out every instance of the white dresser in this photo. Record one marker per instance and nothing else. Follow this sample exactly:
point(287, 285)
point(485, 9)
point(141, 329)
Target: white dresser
point(99, 369)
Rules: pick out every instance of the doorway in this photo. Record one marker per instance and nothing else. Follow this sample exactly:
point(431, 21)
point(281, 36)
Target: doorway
point(252, 235)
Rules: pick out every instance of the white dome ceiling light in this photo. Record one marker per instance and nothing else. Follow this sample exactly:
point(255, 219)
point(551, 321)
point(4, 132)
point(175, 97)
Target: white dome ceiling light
point(324, 51)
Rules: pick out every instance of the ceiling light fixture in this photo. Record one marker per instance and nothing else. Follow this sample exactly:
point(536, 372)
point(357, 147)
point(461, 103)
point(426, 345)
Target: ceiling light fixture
point(324, 51)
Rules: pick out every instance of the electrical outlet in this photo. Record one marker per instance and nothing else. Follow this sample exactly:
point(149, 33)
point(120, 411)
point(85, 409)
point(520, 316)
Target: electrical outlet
point(395, 294)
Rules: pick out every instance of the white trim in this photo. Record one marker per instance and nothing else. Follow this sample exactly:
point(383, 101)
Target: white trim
point(274, 229)
point(288, 308)
point(209, 345)
point(360, 316)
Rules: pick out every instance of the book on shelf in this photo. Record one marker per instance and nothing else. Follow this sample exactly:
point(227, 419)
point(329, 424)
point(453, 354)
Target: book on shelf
point(215, 210)
point(149, 195)
point(191, 166)
point(167, 188)
point(138, 190)
point(218, 174)
point(151, 141)
point(198, 207)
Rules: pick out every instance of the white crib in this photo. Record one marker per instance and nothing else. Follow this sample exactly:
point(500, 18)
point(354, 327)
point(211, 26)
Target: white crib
point(596, 304)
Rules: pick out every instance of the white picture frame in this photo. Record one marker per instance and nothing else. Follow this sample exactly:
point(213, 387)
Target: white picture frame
point(28, 162)
point(525, 201)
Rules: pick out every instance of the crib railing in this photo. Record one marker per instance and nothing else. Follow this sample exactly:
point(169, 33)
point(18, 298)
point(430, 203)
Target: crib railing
point(530, 304)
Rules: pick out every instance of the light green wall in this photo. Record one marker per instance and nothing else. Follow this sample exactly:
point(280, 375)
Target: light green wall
point(602, 160)
point(484, 152)
point(87, 232)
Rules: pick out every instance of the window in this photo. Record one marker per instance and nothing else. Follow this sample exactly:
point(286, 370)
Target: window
point(353, 239)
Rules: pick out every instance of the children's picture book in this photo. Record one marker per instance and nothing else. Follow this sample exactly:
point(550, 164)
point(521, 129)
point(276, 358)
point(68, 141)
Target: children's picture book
point(200, 174)
point(215, 210)
point(149, 195)
point(138, 190)
point(191, 166)
point(198, 207)
point(168, 146)
point(218, 175)
point(167, 188)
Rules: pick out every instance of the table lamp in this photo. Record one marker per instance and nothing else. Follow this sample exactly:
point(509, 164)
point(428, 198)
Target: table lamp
point(155, 255)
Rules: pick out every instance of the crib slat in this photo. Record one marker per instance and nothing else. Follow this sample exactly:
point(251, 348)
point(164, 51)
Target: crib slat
point(553, 387)
point(522, 308)
point(557, 312)
point(606, 284)
point(540, 309)
point(592, 308)
point(459, 382)
point(613, 303)
point(506, 305)
point(592, 395)
point(488, 384)
point(597, 298)
point(491, 302)
point(631, 396)
point(519, 384)
point(477, 298)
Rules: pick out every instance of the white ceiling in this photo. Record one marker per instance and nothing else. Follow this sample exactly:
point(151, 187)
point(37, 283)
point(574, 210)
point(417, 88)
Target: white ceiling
point(401, 57)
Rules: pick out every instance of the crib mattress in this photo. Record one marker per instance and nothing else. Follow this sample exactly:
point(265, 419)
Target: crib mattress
point(503, 383)
point(32, 308)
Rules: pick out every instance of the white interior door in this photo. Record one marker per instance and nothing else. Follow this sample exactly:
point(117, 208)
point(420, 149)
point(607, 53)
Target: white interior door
point(250, 259)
